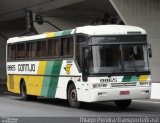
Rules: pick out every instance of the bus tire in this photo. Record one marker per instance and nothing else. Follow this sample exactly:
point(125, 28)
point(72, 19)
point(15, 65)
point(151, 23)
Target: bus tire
point(72, 96)
point(123, 104)
point(23, 92)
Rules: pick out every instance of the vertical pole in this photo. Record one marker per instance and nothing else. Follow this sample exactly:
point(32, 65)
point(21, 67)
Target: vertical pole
point(29, 20)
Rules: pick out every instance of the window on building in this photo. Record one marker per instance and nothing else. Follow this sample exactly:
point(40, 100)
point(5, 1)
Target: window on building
point(41, 49)
point(20, 50)
point(53, 47)
point(30, 50)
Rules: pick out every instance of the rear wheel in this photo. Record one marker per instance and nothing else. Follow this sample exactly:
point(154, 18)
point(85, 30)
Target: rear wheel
point(72, 96)
point(123, 103)
point(23, 92)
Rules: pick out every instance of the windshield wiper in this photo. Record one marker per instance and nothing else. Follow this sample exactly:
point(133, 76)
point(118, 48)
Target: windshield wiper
point(110, 74)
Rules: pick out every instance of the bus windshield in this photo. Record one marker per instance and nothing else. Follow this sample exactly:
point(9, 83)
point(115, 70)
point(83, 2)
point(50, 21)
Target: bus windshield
point(110, 58)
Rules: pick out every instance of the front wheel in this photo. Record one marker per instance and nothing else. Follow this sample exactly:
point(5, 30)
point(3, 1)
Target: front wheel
point(72, 97)
point(123, 103)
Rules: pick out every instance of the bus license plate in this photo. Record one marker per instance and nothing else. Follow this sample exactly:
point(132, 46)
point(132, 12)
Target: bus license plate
point(124, 92)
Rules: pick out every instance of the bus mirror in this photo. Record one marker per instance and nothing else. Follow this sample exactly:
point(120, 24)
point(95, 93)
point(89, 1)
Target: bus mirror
point(150, 51)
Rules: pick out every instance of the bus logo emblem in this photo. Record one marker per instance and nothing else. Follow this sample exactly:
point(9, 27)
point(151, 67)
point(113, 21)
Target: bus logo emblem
point(68, 68)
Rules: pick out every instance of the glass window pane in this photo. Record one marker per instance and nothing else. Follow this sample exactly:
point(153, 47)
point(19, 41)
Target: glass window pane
point(30, 50)
point(135, 57)
point(53, 47)
point(41, 48)
point(105, 58)
point(79, 40)
point(11, 52)
point(21, 50)
point(78, 55)
point(67, 46)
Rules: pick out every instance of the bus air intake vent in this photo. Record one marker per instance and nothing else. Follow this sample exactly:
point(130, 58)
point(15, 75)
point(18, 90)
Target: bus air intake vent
point(123, 84)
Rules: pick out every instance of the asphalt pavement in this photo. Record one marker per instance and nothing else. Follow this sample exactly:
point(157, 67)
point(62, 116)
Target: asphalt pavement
point(12, 106)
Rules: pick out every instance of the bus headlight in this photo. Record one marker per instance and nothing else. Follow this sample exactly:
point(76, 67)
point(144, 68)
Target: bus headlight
point(99, 85)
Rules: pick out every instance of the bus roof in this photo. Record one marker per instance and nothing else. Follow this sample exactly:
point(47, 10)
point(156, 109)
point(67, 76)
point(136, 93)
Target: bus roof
point(88, 30)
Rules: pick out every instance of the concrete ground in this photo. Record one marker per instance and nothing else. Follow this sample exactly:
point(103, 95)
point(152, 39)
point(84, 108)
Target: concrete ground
point(3, 87)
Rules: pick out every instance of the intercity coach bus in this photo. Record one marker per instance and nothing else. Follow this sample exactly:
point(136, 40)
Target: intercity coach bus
point(85, 64)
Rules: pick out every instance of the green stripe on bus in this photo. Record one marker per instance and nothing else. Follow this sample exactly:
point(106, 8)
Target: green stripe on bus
point(47, 79)
point(58, 33)
point(63, 33)
point(126, 78)
point(66, 32)
point(134, 78)
point(54, 80)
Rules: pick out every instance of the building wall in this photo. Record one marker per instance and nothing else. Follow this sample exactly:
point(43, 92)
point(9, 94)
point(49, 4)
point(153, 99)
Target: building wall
point(2, 59)
point(145, 14)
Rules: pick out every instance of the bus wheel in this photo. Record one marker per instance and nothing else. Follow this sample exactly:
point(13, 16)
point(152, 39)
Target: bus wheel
point(24, 95)
point(23, 91)
point(72, 96)
point(123, 103)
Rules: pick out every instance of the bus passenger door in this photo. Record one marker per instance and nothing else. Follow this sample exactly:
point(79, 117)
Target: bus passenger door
point(85, 64)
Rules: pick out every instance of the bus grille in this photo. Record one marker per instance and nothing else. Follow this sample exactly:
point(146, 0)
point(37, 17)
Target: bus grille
point(123, 84)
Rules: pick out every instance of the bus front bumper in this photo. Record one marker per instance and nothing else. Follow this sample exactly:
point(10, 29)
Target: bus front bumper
point(97, 95)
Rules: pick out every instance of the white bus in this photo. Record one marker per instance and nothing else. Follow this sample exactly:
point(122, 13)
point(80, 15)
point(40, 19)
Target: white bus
point(85, 64)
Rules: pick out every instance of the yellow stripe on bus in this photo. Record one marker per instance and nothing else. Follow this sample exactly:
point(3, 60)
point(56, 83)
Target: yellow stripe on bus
point(33, 83)
point(39, 79)
point(50, 34)
point(143, 78)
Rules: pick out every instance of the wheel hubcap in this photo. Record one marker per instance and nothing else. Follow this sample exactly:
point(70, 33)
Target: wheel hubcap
point(73, 95)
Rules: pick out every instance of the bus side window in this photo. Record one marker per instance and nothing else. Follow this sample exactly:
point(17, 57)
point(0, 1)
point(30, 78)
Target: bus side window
point(67, 46)
point(53, 47)
point(20, 51)
point(30, 50)
point(11, 52)
point(41, 49)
